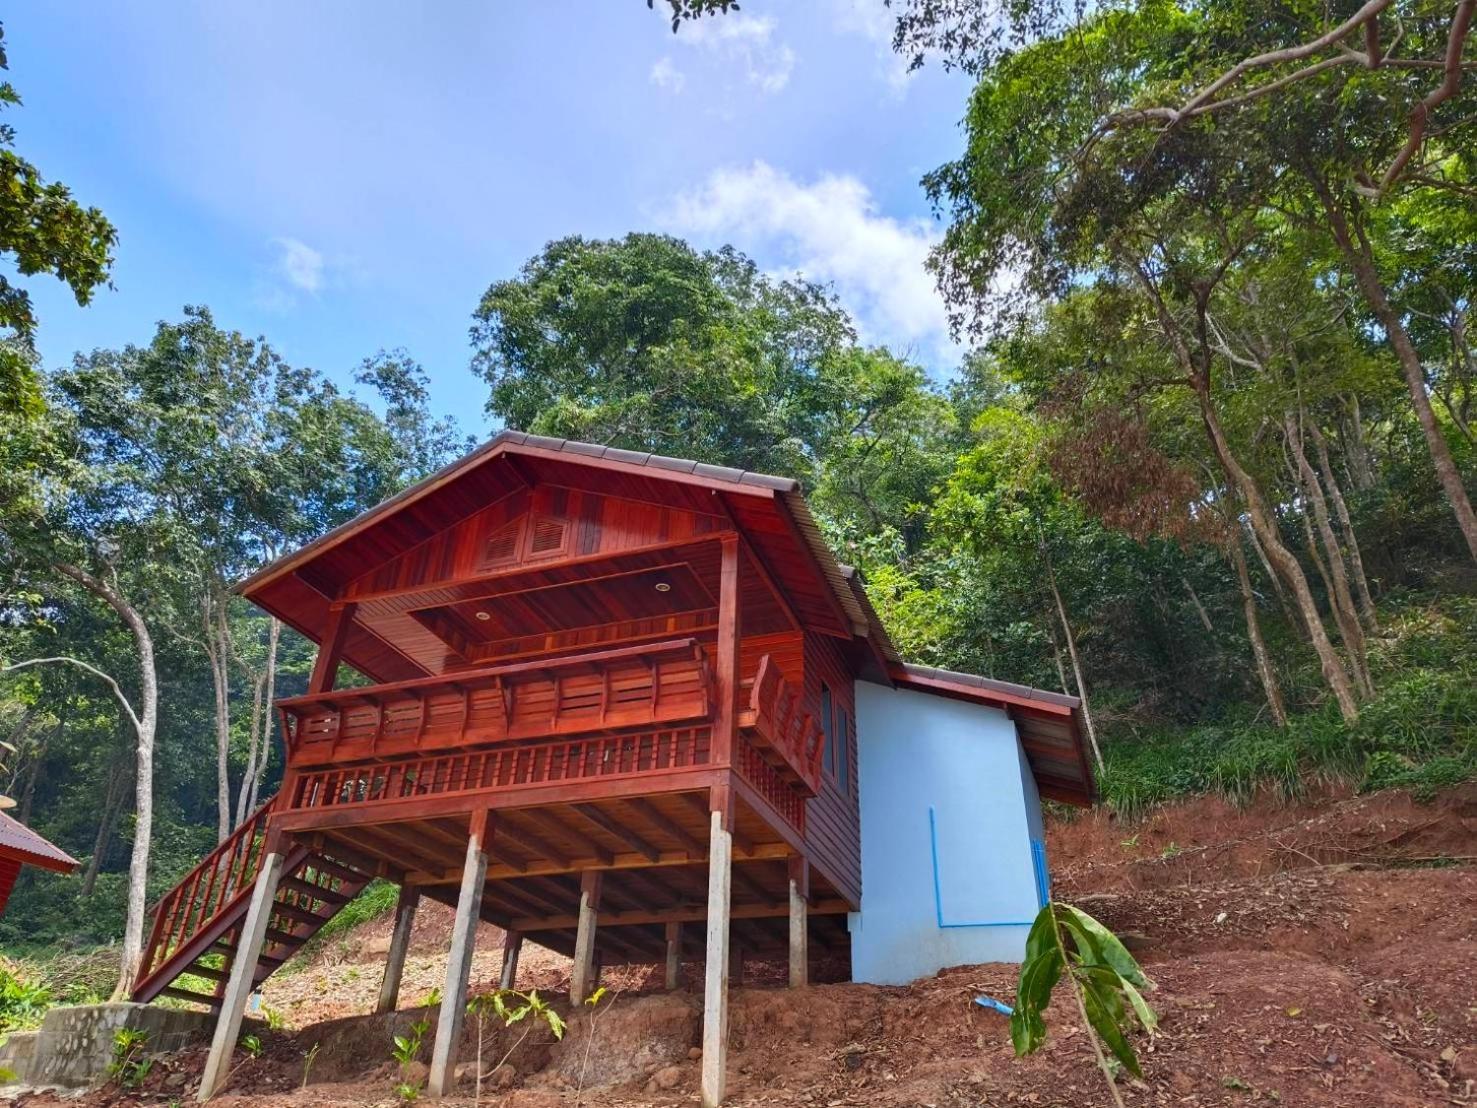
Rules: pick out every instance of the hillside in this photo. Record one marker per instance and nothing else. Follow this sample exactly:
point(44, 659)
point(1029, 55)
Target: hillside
point(1280, 936)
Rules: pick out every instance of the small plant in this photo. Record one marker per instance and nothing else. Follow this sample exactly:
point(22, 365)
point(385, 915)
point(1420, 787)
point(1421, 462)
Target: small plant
point(1132, 842)
point(511, 1007)
point(309, 1058)
point(22, 1003)
point(1104, 979)
point(129, 1066)
point(1173, 850)
point(592, 1002)
point(407, 1049)
point(252, 1045)
point(276, 1021)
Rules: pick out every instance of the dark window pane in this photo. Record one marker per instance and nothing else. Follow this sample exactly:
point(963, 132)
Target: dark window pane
point(828, 731)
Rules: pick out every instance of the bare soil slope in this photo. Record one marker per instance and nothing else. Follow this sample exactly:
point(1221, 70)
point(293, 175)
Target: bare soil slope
point(1323, 953)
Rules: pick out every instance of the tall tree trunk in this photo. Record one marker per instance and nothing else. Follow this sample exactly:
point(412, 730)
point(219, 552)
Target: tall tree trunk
point(1341, 509)
point(1264, 670)
point(1061, 611)
point(1199, 607)
point(263, 745)
point(145, 723)
point(1198, 373)
point(1056, 654)
point(1340, 599)
point(216, 625)
point(1354, 244)
point(112, 806)
point(1356, 450)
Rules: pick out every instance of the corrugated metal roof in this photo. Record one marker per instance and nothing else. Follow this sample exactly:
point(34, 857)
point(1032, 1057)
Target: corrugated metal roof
point(19, 840)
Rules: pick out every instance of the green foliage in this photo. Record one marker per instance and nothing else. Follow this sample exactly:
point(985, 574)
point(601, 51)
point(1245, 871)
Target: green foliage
point(252, 1045)
point(22, 1002)
point(130, 1065)
point(1106, 982)
point(406, 1049)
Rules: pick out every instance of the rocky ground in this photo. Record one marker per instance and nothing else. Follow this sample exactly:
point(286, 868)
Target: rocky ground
point(1321, 954)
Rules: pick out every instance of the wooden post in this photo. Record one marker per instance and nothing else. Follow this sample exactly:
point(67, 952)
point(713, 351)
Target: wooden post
point(243, 971)
point(405, 906)
point(674, 954)
point(581, 980)
point(799, 921)
point(459, 960)
point(715, 985)
point(726, 656)
point(331, 649)
point(512, 947)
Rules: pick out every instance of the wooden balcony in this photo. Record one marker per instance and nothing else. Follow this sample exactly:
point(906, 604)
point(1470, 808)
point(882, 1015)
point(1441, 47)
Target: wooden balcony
point(573, 720)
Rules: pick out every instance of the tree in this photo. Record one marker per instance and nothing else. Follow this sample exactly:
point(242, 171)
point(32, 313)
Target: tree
point(645, 343)
point(42, 230)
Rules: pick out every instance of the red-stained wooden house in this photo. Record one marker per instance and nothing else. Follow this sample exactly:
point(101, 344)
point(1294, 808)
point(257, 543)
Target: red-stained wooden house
point(604, 700)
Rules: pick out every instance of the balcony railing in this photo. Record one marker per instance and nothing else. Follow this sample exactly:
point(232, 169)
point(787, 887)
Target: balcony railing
point(638, 686)
point(783, 733)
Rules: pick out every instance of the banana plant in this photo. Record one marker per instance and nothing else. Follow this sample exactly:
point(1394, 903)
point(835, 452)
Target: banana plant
point(1106, 983)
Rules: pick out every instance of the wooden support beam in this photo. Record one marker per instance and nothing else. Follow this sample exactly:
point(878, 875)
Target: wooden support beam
point(459, 959)
point(535, 844)
point(614, 829)
point(512, 948)
point(584, 943)
point(243, 972)
point(799, 882)
point(715, 987)
point(750, 886)
point(674, 954)
point(726, 656)
point(331, 649)
point(654, 816)
point(405, 906)
point(775, 910)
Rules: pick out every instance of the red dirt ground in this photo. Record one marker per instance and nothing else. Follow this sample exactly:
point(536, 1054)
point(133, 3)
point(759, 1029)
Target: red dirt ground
point(1323, 954)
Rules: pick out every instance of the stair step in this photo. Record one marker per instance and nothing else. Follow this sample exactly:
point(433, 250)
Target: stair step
point(187, 995)
point(230, 952)
point(207, 972)
point(285, 938)
point(302, 915)
point(342, 872)
point(317, 892)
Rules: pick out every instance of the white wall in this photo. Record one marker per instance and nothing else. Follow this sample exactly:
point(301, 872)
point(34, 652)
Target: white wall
point(946, 780)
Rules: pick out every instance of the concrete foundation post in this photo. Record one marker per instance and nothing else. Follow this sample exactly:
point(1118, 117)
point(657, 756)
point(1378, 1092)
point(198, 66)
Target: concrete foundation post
point(243, 969)
point(459, 960)
point(512, 947)
point(674, 954)
point(715, 985)
point(405, 906)
point(582, 978)
point(799, 923)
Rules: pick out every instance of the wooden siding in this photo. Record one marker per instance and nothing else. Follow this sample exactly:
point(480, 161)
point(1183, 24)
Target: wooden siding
point(833, 819)
point(9, 870)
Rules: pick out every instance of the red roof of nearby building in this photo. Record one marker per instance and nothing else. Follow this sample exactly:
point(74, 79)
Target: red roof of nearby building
point(21, 843)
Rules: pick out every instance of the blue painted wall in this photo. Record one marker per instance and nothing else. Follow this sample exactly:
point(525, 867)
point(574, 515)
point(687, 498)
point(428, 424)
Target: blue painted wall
point(949, 814)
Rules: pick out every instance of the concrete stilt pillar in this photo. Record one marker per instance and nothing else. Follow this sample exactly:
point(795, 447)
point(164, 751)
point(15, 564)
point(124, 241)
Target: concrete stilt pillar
point(243, 969)
point(512, 947)
point(405, 906)
point(674, 954)
point(459, 959)
point(581, 981)
point(715, 985)
point(799, 923)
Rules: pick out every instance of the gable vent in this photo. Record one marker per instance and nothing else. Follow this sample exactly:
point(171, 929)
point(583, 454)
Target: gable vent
point(548, 536)
point(502, 547)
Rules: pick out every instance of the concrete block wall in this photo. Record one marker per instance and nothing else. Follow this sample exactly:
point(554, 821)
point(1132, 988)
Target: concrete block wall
point(74, 1045)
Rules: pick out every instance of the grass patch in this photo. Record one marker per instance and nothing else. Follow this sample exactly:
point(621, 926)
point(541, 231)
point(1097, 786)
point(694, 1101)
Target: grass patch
point(1419, 732)
point(377, 899)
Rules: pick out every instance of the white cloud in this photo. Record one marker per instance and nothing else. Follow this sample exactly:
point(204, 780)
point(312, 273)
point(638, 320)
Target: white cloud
point(299, 264)
point(829, 230)
point(747, 40)
point(874, 22)
point(665, 74)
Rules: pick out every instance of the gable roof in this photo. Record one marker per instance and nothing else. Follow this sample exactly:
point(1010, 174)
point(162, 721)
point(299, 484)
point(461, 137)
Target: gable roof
point(21, 843)
point(772, 511)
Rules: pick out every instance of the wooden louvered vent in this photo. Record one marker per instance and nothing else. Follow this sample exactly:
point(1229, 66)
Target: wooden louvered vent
point(547, 537)
point(502, 547)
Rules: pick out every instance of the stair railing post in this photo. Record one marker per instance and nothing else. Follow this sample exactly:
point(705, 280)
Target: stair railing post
point(243, 970)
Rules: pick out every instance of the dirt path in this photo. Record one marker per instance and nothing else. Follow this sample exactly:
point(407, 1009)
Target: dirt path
point(1321, 954)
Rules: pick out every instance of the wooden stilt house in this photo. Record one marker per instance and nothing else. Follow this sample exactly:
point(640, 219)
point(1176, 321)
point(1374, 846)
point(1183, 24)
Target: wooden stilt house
point(608, 703)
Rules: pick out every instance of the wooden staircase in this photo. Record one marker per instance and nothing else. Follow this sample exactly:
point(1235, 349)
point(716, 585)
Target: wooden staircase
point(197, 923)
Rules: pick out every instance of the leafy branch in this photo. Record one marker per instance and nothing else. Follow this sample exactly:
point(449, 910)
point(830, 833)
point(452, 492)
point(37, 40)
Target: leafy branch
point(1104, 979)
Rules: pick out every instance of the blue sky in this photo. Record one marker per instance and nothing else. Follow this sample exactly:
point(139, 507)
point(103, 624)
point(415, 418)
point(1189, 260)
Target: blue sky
point(342, 177)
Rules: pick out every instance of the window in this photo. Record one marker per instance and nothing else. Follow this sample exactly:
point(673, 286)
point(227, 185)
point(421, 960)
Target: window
point(843, 748)
point(828, 731)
